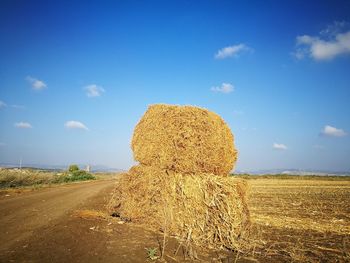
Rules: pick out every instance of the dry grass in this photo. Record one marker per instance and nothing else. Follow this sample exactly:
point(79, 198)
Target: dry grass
point(184, 139)
point(300, 220)
point(25, 177)
point(34, 178)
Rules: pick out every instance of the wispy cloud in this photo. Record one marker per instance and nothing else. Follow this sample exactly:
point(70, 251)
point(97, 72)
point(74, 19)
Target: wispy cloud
point(20, 107)
point(332, 131)
point(279, 146)
point(224, 88)
point(335, 28)
point(36, 84)
point(23, 125)
point(75, 125)
point(93, 90)
point(231, 51)
point(331, 42)
point(2, 104)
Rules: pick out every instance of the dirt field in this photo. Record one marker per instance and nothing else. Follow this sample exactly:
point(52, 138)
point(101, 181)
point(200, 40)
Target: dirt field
point(301, 220)
point(293, 221)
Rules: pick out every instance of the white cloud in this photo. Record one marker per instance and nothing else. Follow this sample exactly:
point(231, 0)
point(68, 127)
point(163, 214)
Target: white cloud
point(332, 131)
point(36, 83)
point(330, 43)
point(93, 90)
point(75, 125)
point(224, 88)
point(279, 146)
point(231, 51)
point(2, 104)
point(299, 54)
point(23, 125)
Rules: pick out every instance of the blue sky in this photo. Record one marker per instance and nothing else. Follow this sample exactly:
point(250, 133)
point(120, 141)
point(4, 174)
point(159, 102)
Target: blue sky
point(75, 77)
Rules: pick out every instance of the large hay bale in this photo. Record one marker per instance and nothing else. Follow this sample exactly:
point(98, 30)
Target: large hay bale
point(184, 139)
point(200, 209)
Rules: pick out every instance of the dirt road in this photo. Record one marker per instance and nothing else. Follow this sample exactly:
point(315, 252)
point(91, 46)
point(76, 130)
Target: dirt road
point(22, 215)
point(67, 224)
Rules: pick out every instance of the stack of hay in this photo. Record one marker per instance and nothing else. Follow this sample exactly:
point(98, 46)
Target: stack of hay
point(181, 185)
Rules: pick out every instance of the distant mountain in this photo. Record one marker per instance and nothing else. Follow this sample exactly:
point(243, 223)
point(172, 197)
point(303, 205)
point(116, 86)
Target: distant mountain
point(103, 168)
point(296, 172)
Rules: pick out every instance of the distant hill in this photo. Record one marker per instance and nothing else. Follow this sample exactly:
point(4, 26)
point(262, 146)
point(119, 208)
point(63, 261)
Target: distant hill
point(104, 168)
point(296, 172)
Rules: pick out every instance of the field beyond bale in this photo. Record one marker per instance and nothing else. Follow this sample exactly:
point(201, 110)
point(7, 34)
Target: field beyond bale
point(300, 220)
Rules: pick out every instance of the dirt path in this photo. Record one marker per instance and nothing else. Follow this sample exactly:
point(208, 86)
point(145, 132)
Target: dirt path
point(58, 225)
point(21, 215)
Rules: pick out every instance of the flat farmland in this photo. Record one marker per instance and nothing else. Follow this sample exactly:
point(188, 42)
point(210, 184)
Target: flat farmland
point(301, 220)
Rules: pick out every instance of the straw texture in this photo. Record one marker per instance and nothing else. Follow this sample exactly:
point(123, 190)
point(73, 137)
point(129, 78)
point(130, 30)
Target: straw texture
point(181, 185)
point(184, 139)
point(200, 209)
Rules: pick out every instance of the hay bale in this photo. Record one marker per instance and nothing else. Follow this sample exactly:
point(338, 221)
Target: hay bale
point(184, 139)
point(200, 209)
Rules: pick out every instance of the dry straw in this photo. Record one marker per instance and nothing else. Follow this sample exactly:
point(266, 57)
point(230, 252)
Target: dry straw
point(184, 139)
point(182, 185)
point(200, 209)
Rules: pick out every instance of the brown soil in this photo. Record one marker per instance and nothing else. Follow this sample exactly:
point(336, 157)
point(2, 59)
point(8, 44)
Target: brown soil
point(299, 220)
point(67, 224)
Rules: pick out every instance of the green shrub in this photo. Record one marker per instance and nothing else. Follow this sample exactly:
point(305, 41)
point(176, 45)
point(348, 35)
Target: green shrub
point(73, 168)
point(79, 176)
point(11, 178)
